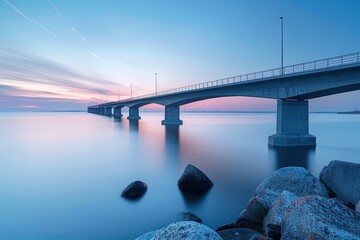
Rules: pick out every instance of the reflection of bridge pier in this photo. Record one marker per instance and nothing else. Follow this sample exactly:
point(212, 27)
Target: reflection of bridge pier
point(291, 86)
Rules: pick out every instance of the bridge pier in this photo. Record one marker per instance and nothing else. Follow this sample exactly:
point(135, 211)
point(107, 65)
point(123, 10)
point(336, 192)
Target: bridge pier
point(108, 111)
point(134, 113)
point(102, 111)
point(172, 116)
point(117, 112)
point(292, 124)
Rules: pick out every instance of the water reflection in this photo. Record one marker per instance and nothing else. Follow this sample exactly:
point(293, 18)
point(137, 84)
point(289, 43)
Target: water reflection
point(194, 199)
point(172, 144)
point(134, 125)
point(291, 156)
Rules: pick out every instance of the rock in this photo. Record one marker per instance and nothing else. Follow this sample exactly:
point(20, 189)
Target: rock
point(254, 213)
point(242, 233)
point(134, 190)
point(237, 234)
point(343, 178)
point(189, 216)
point(272, 221)
point(147, 236)
point(297, 180)
point(315, 217)
point(273, 231)
point(194, 180)
point(357, 207)
point(187, 230)
point(260, 237)
point(226, 227)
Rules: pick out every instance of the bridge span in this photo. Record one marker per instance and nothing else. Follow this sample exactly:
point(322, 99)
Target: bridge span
point(292, 86)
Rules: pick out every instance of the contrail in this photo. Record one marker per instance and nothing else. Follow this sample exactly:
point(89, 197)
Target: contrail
point(55, 8)
point(84, 39)
point(74, 29)
point(96, 56)
point(30, 19)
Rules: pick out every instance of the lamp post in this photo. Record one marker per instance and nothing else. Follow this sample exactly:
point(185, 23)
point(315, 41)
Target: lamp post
point(155, 83)
point(282, 45)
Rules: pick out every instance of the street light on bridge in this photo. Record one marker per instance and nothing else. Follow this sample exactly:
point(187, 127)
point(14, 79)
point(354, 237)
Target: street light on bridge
point(282, 45)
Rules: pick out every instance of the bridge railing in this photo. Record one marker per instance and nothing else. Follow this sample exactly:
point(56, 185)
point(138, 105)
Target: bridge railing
point(276, 72)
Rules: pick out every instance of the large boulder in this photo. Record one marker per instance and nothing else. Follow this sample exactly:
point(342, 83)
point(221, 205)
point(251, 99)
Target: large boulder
point(315, 217)
point(134, 190)
point(193, 180)
point(297, 180)
point(272, 221)
point(238, 234)
point(187, 230)
point(343, 178)
point(357, 207)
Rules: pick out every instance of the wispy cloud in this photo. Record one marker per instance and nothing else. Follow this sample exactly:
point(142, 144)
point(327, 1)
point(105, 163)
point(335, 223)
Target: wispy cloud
point(24, 77)
point(55, 8)
point(96, 56)
point(30, 19)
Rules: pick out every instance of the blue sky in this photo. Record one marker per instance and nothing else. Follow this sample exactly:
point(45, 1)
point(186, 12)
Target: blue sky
point(63, 54)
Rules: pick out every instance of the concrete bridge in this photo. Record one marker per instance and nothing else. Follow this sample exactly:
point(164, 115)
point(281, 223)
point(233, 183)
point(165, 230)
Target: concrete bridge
point(292, 86)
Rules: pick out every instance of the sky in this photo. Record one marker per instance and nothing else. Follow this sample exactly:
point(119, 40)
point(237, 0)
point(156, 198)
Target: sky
point(69, 54)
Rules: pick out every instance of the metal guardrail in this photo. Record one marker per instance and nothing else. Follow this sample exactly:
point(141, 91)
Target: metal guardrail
point(287, 70)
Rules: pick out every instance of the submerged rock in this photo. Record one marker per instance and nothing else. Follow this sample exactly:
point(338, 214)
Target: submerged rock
point(297, 180)
point(343, 178)
point(193, 180)
point(272, 221)
point(189, 216)
point(134, 190)
point(187, 230)
point(315, 217)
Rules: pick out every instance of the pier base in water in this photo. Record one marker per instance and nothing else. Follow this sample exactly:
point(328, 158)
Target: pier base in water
point(292, 124)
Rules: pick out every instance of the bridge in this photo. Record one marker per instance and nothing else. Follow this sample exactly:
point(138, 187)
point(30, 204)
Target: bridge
point(292, 86)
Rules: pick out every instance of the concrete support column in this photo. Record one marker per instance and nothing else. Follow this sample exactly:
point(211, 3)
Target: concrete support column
point(117, 112)
point(102, 111)
point(134, 113)
point(292, 124)
point(108, 111)
point(172, 116)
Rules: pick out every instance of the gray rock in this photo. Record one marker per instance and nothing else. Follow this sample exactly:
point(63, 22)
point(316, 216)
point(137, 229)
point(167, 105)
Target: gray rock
point(147, 236)
point(297, 180)
point(226, 227)
point(357, 207)
point(237, 234)
point(273, 231)
point(343, 178)
point(194, 180)
point(187, 230)
point(275, 213)
point(260, 237)
point(315, 217)
point(134, 190)
point(189, 216)
point(254, 213)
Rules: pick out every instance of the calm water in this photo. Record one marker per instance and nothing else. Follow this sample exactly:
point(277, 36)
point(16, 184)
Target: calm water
point(61, 174)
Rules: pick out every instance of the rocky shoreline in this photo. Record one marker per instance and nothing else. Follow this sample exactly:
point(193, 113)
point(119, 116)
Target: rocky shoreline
point(289, 204)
